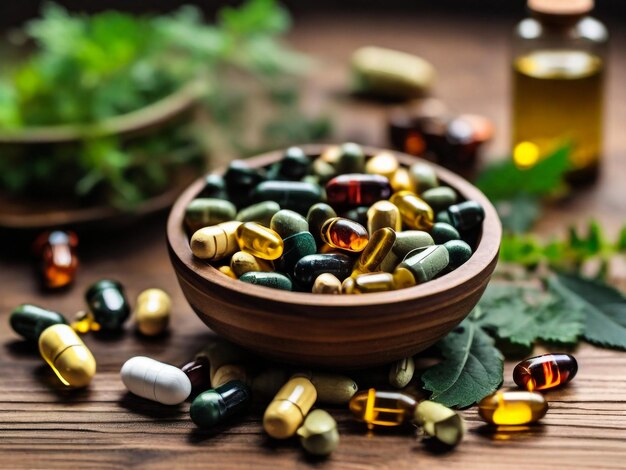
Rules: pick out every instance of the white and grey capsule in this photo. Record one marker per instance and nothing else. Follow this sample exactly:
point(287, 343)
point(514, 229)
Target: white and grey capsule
point(155, 380)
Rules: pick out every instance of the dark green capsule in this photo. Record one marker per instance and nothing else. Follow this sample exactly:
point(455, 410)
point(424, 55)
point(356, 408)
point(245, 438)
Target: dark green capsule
point(29, 321)
point(351, 159)
point(240, 180)
point(203, 212)
point(459, 252)
point(426, 263)
point(214, 187)
point(294, 165)
point(311, 266)
point(294, 195)
point(260, 213)
point(286, 223)
point(108, 304)
point(296, 247)
point(442, 232)
point(439, 198)
point(466, 215)
point(215, 405)
point(358, 215)
point(443, 216)
point(316, 216)
point(271, 280)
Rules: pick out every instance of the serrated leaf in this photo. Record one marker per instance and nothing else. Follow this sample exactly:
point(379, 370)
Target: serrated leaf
point(471, 368)
point(523, 315)
point(603, 306)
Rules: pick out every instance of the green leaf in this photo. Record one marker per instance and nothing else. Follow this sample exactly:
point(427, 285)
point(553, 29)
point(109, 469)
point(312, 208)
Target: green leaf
point(519, 214)
point(524, 315)
point(621, 240)
point(504, 180)
point(603, 306)
point(471, 368)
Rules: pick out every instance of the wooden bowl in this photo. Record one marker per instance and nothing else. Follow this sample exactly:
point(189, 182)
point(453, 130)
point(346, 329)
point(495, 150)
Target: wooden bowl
point(345, 331)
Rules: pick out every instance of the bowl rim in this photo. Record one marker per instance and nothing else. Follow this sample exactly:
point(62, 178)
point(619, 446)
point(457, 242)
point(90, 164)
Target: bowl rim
point(485, 254)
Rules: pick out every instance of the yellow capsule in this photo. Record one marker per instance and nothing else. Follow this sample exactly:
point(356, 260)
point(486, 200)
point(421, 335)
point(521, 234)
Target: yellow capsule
point(348, 286)
point(227, 270)
point(513, 408)
point(327, 283)
point(377, 408)
point(403, 278)
point(401, 180)
point(68, 356)
point(259, 241)
point(416, 214)
point(345, 234)
point(243, 262)
point(374, 253)
point(370, 282)
point(215, 242)
point(152, 311)
point(228, 373)
point(331, 154)
point(287, 411)
point(84, 322)
point(383, 214)
point(383, 163)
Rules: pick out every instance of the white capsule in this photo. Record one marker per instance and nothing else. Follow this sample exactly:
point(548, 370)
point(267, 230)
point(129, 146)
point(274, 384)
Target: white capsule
point(155, 380)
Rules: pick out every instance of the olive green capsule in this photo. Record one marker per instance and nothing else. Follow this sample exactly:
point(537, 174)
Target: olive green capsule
point(311, 179)
point(440, 422)
point(318, 434)
point(406, 241)
point(439, 198)
point(383, 214)
point(401, 372)
point(333, 389)
point(267, 383)
point(29, 321)
point(442, 233)
point(458, 251)
point(326, 283)
point(423, 177)
point(260, 213)
point(426, 263)
point(243, 262)
point(271, 280)
point(286, 223)
point(351, 159)
point(323, 170)
point(203, 212)
point(316, 216)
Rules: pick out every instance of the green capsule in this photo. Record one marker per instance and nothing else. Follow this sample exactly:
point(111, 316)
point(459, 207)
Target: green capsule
point(214, 406)
point(323, 170)
point(311, 266)
point(406, 241)
point(29, 321)
point(351, 159)
point(401, 372)
point(423, 177)
point(443, 217)
point(316, 216)
point(243, 262)
point(271, 280)
point(333, 389)
point(426, 263)
point(295, 248)
point(466, 215)
point(318, 433)
point(442, 233)
point(107, 304)
point(440, 422)
point(286, 223)
point(458, 251)
point(439, 198)
point(294, 195)
point(294, 165)
point(260, 213)
point(202, 212)
point(214, 187)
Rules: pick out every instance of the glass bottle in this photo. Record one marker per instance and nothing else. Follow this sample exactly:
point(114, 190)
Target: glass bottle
point(559, 61)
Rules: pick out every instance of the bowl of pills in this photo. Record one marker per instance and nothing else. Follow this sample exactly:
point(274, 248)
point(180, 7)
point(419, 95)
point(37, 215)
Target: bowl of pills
point(333, 255)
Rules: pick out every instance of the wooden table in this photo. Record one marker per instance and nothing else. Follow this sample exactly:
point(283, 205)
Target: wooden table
point(44, 426)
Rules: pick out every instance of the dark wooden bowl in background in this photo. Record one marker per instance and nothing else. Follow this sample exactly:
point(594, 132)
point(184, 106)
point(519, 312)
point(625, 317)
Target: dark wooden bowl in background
point(345, 331)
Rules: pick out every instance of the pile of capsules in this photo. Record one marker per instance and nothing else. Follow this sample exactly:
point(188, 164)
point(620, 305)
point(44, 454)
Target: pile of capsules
point(224, 380)
point(340, 223)
point(107, 310)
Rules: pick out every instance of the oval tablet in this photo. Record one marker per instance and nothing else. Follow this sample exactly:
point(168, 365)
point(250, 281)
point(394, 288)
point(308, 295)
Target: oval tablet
point(155, 380)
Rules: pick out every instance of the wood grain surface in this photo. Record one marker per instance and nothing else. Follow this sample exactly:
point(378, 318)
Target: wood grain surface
point(44, 426)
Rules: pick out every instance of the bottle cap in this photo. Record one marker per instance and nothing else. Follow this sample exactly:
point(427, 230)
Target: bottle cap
point(561, 7)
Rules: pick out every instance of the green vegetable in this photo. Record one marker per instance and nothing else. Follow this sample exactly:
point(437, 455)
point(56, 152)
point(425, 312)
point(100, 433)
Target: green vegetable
point(471, 369)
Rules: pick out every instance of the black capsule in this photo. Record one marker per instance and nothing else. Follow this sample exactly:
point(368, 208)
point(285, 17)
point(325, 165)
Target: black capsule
point(358, 214)
point(297, 196)
point(29, 321)
point(310, 267)
point(296, 247)
point(108, 305)
point(215, 405)
point(294, 165)
point(240, 180)
point(466, 215)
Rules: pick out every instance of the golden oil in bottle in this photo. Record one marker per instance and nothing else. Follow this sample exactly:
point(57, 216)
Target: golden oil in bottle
point(558, 96)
